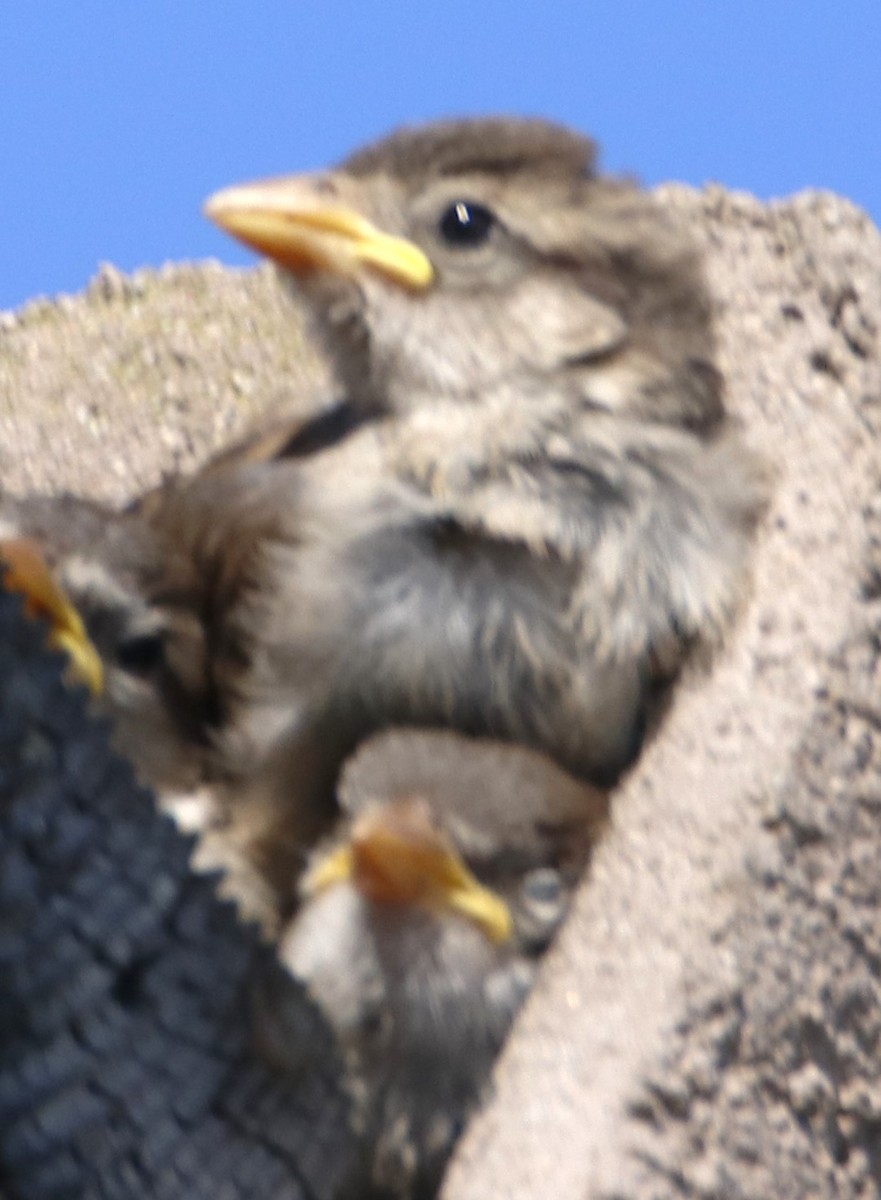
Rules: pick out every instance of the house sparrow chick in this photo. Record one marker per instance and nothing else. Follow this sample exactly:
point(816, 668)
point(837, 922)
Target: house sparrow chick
point(421, 928)
point(106, 583)
point(542, 504)
point(90, 568)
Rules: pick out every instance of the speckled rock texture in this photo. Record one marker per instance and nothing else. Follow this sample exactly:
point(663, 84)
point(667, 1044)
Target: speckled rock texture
point(103, 393)
point(709, 1023)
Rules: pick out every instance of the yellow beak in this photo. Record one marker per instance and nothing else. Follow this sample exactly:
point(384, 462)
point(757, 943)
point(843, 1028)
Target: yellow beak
point(292, 221)
point(27, 573)
point(395, 856)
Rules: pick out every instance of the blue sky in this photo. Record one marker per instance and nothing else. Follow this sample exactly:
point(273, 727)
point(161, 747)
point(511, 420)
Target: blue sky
point(119, 118)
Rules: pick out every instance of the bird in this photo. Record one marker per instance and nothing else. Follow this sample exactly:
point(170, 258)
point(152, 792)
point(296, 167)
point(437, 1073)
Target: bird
point(532, 506)
point(106, 581)
point(93, 565)
point(423, 919)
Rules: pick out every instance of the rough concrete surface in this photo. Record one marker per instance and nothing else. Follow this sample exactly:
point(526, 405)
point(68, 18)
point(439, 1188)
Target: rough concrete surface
point(101, 394)
point(709, 1023)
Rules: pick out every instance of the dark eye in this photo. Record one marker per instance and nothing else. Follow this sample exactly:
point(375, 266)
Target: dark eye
point(542, 905)
point(466, 224)
point(141, 655)
point(543, 887)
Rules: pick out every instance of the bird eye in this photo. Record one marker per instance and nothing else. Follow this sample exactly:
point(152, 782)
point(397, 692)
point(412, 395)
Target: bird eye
point(465, 224)
point(544, 900)
point(141, 654)
point(543, 887)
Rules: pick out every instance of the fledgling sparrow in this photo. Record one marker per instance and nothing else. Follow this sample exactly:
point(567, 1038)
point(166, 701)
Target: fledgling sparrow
point(538, 504)
point(102, 580)
point(421, 928)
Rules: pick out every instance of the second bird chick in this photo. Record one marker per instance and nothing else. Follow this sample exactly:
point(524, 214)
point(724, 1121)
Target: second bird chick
point(107, 583)
point(422, 926)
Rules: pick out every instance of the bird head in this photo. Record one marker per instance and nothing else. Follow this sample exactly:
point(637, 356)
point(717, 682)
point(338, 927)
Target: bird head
point(466, 258)
point(450, 872)
point(89, 571)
